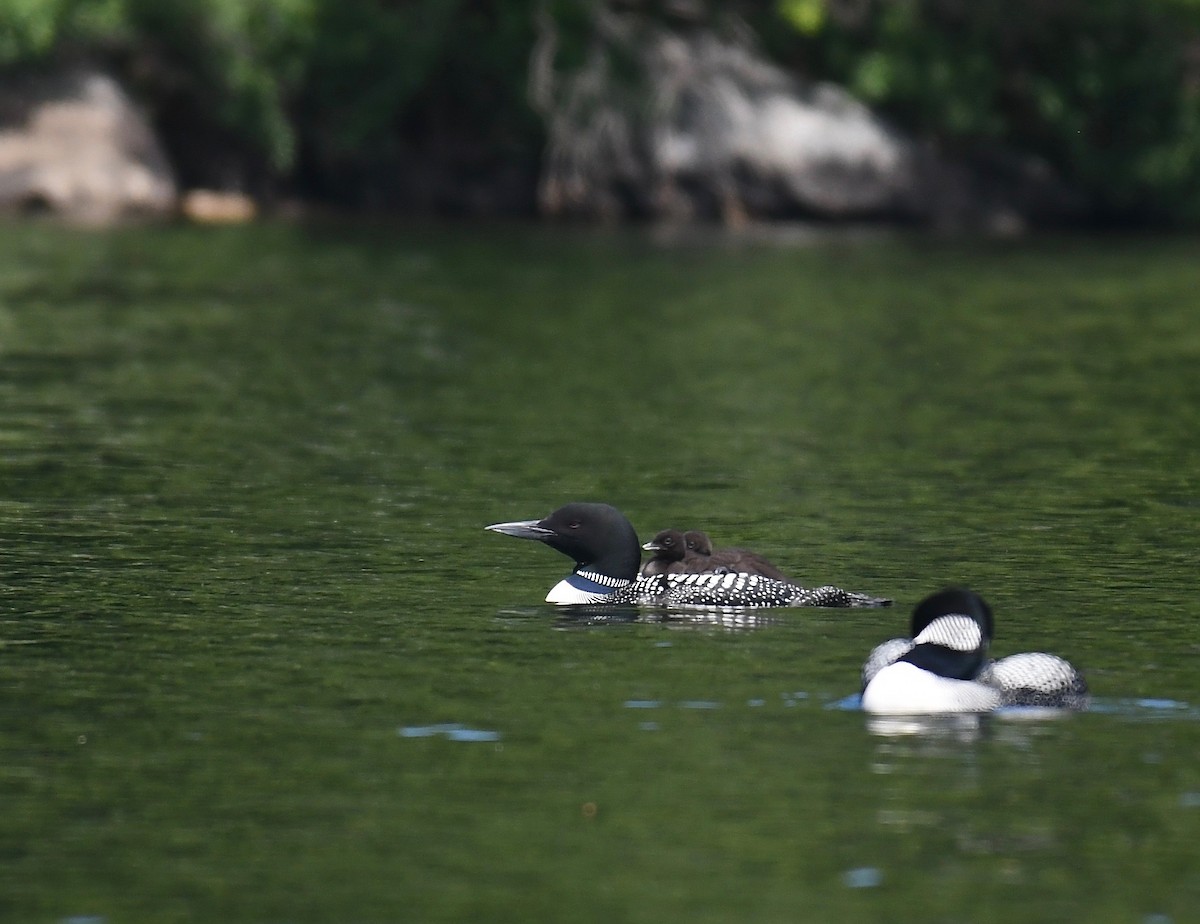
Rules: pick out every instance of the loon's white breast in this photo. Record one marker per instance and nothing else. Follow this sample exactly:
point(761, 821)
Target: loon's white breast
point(905, 689)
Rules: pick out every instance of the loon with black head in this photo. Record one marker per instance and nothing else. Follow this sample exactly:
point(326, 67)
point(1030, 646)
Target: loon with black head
point(604, 546)
point(944, 667)
point(703, 557)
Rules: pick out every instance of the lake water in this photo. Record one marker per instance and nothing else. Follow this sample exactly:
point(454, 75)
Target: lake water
point(259, 661)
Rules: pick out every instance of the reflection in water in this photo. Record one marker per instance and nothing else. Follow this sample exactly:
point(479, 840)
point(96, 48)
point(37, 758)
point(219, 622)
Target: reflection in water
point(957, 727)
point(1015, 724)
point(734, 618)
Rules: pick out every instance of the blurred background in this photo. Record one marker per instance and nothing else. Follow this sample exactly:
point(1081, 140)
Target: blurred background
point(993, 114)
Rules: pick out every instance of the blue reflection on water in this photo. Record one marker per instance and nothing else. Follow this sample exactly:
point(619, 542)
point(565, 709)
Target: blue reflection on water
point(683, 704)
point(864, 877)
point(453, 731)
point(1145, 708)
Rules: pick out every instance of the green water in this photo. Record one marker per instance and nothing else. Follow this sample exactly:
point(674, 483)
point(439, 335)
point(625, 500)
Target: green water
point(260, 662)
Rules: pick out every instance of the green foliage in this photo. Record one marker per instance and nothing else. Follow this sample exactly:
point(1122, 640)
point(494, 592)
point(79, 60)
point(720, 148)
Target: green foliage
point(243, 57)
point(333, 91)
point(28, 28)
point(386, 77)
point(806, 16)
point(1105, 90)
point(346, 79)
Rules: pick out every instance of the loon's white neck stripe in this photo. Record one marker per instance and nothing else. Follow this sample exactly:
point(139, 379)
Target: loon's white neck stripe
point(960, 633)
point(586, 578)
point(584, 587)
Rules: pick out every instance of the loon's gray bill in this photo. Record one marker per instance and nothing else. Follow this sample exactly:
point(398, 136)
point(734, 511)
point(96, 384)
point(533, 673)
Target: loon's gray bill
point(522, 529)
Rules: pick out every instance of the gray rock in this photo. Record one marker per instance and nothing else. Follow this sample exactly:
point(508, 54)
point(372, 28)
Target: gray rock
point(75, 145)
point(706, 127)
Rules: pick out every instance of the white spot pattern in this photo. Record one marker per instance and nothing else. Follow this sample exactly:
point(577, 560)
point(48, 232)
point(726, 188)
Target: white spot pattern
point(960, 633)
point(734, 589)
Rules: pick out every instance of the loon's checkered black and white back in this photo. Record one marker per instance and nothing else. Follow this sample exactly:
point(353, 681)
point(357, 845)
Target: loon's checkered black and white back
point(734, 589)
point(1037, 678)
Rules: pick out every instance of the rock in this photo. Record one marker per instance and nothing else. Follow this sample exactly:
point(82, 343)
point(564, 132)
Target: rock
point(208, 206)
point(813, 148)
point(706, 127)
point(76, 145)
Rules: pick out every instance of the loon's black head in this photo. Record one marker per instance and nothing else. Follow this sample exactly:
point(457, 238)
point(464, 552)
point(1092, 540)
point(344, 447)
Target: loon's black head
point(951, 631)
point(597, 536)
point(698, 542)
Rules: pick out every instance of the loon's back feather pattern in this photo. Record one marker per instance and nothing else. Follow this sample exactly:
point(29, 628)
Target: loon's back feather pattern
point(1037, 678)
point(731, 589)
point(734, 589)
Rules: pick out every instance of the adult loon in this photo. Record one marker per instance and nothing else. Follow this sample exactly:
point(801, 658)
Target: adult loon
point(944, 668)
point(604, 546)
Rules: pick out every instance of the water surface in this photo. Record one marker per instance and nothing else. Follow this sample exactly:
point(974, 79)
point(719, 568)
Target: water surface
point(260, 661)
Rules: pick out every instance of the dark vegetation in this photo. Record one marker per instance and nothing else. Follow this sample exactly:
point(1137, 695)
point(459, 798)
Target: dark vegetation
point(423, 104)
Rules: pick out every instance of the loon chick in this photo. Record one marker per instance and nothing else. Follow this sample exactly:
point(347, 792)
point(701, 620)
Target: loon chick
point(604, 546)
point(705, 558)
point(944, 666)
point(669, 551)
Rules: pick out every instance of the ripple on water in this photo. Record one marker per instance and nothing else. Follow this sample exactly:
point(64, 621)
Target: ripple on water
point(863, 877)
point(452, 731)
point(683, 704)
point(1147, 709)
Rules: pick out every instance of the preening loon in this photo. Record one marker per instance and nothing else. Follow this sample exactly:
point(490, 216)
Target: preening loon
point(604, 546)
point(943, 667)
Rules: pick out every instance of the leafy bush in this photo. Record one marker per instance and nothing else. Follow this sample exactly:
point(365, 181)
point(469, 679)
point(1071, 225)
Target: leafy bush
point(333, 95)
point(343, 84)
point(1107, 91)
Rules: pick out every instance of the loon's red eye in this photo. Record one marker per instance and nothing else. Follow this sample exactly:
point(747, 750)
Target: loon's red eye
point(574, 524)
